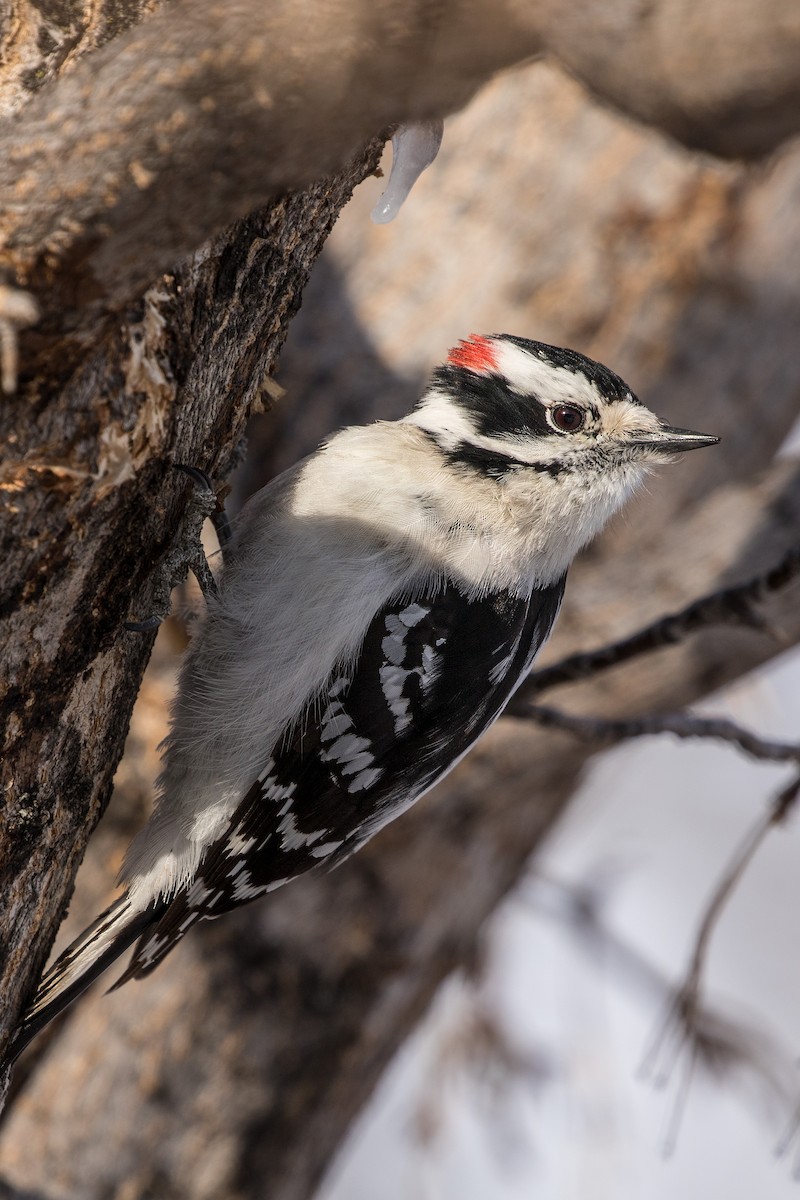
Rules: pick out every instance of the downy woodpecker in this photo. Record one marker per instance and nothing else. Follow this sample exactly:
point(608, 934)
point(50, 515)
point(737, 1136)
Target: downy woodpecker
point(379, 605)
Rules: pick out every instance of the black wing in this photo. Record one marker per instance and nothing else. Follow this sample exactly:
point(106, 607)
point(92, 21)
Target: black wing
point(433, 673)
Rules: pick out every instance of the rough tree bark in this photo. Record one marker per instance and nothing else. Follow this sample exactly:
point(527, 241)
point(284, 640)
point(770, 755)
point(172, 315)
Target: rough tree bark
point(311, 991)
point(90, 509)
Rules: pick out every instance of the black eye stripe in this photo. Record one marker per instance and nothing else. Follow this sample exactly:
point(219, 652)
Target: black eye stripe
point(496, 464)
point(494, 409)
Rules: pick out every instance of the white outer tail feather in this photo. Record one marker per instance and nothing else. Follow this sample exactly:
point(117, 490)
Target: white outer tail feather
point(80, 964)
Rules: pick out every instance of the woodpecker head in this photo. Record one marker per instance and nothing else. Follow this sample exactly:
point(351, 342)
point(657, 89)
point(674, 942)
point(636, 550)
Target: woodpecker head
point(504, 403)
point(558, 439)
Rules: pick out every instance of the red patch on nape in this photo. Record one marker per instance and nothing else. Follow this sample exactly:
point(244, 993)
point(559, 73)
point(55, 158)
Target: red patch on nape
point(475, 354)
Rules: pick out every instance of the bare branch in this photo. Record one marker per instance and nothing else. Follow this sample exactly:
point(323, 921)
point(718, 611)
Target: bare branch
point(198, 116)
point(691, 1035)
point(681, 725)
point(683, 1025)
point(164, 136)
point(727, 606)
point(723, 1045)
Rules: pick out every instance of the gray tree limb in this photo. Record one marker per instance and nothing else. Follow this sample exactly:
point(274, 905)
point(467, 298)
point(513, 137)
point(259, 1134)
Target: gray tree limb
point(683, 725)
point(206, 110)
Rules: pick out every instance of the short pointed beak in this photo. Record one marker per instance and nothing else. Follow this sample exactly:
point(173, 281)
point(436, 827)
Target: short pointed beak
point(668, 439)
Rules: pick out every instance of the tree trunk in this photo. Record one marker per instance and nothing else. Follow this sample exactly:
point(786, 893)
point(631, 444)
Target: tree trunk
point(91, 512)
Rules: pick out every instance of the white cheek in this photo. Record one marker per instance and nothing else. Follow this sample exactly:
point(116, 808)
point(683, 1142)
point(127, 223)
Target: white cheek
point(558, 520)
point(606, 494)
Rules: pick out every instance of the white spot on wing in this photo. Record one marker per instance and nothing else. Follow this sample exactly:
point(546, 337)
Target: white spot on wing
point(365, 779)
point(325, 848)
point(358, 763)
point(276, 883)
point(431, 666)
point(271, 790)
point(240, 845)
point(335, 725)
point(152, 949)
point(392, 683)
point(413, 615)
point(198, 894)
point(292, 838)
point(269, 767)
point(394, 646)
point(346, 748)
point(246, 890)
point(394, 649)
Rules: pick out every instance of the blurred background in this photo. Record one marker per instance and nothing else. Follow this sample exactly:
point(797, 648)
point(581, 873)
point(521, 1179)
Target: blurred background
point(534, 1078)
point(547, 216)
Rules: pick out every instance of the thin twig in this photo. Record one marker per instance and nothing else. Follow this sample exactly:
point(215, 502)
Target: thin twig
point(682, 1023)
point(686, 1024)
point(728, 606)
point(681, 725)
point(719, 1043)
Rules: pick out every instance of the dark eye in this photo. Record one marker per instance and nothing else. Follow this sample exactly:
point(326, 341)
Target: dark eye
point(567, 417)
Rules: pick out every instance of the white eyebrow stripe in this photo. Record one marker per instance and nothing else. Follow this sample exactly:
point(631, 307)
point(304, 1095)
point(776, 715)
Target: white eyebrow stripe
point(526, 373)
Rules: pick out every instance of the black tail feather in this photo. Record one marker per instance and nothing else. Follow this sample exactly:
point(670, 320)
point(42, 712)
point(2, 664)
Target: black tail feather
point(80, 964)
point(161, 936)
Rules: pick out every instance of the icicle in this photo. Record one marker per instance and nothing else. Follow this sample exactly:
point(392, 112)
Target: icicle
point(18, 309)
point(414, 147)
